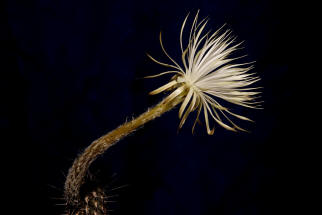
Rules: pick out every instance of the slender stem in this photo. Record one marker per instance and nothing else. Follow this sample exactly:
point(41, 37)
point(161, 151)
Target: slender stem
point(76, 174)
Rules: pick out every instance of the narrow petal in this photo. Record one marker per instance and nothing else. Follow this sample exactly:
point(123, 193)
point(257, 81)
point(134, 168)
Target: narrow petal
point(163, 49)
point(239, 116)
point(188, 111)
point(181, 31)
point(205, 111)
point(163, 64)
point(197, 118)
point(160, 74)
point(163, 88)
point(185, 102)
point(217, 120)
point(174, 94)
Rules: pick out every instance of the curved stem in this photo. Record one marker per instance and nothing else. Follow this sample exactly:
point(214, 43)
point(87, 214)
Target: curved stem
point(76, 174)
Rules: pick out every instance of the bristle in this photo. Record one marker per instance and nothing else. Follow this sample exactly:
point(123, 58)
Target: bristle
point(93, 203)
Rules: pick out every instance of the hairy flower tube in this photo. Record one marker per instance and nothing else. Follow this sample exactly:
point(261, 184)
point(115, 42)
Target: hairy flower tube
point(206, 77)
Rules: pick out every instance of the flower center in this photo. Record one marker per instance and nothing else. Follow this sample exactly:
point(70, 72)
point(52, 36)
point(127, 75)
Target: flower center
point(184, 80)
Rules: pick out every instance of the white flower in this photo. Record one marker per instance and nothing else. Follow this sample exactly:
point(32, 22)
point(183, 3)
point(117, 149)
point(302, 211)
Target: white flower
point(208, 74)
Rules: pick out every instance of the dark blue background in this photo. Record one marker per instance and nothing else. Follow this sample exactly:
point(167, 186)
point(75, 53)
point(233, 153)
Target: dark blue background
point(73, 71)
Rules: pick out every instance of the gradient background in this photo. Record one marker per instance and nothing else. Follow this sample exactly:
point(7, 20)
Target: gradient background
point(73, 71)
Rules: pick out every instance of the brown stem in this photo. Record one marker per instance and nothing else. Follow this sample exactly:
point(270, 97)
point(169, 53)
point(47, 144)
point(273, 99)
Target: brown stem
point(76, 174)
